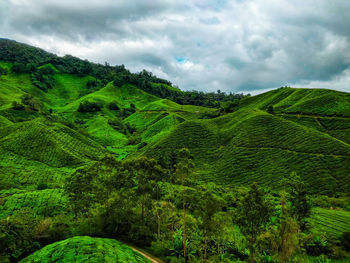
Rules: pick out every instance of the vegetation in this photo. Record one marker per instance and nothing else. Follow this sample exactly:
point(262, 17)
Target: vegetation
point(92, 153)
point(83, 249)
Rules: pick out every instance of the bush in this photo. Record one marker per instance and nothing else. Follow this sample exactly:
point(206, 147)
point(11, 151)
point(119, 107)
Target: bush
point(141, 145)
point(3, 71)
point(117, 125)
point(134, 140)
point(42, 186)
point(17, 106)
point(30, 101)
point(90, 106)
point(270, 109)
point(19, 68)
point(113, 106)
point(316, 245)
point(345, 241)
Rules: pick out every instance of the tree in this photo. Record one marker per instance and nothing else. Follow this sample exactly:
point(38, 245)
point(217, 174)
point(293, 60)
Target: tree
point(183, 167)
point(270, 109)
point(30, 101)
point(3, 71)
point(90, 106)
point(297, 195)
point(209, 205)
point(113, 106)
point(19, 68)
point(189, 197)
point(345, 241)
point(146, 172)
point(288, 234)
point(253, 213)
point(81, 190)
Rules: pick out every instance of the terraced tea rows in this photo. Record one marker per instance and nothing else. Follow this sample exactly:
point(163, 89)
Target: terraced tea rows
point(86, 249)
point(332, 222)
point(18, 171)
point(50, 145)
point(46, 203)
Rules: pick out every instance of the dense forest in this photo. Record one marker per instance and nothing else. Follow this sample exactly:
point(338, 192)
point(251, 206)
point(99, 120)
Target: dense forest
point(96, 160)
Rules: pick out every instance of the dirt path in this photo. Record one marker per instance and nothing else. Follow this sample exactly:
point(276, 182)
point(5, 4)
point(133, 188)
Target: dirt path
point(149, 257)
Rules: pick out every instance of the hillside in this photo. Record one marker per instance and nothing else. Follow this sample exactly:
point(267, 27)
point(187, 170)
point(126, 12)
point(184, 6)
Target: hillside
point(64, 119)
point(306, 132)
point(252, 145)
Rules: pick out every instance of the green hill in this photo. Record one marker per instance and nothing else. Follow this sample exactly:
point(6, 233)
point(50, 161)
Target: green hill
point(86, 249)
point(302, 101)
point(252, 145)
point(61, 114)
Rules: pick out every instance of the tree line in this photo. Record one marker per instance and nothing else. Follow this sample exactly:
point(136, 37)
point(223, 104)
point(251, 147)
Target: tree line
point(31, 60)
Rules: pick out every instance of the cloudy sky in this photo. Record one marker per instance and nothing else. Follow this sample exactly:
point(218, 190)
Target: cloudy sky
point(238, 45)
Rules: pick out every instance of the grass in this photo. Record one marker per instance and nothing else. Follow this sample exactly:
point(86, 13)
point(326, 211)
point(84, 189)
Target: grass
point(86, 249)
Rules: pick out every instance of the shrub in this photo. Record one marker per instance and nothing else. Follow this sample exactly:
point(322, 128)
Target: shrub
point(133, 140)
point(42, 186)
point(19, 68)
point(92, 84)
point(3, 71)
point(90, 106)
point(30, 101)
point(113, 106)
point(141, 145)
point(270, 109)
point(345, 241)
point(117, 125)
point(17, 106)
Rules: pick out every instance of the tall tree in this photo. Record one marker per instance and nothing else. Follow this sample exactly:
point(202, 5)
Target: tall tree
point(146, 172)
point(184, 167)
point(288, 233)
point(253, 213)
point(209, 205)
point(297, 195)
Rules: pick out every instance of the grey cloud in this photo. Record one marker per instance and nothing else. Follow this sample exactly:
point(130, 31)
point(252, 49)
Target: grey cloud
point(229, 45)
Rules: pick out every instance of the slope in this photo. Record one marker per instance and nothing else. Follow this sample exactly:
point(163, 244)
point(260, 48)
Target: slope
point(252, 145)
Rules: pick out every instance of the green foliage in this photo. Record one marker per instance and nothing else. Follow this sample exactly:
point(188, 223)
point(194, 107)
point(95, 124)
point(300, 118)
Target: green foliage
point(47, 146)
point(333, 222)
point(90, 106)
point(113, 106)
point(345, 241)
point(83, 249)
point(29, 101)
point(301, 208)
point(48, 202)
point(17, 236)
point(270, 109)
point(3, 71)
point(43, 77)
point(253, 214)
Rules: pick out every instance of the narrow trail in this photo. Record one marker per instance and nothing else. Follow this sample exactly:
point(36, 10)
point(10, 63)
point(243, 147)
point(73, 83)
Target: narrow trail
point(149, 257)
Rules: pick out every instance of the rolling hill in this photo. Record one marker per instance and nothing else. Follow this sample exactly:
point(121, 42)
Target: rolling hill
point(45, 137)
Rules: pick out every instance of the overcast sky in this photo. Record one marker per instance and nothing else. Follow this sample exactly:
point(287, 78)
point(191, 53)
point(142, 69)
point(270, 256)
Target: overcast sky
point(239, 45)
